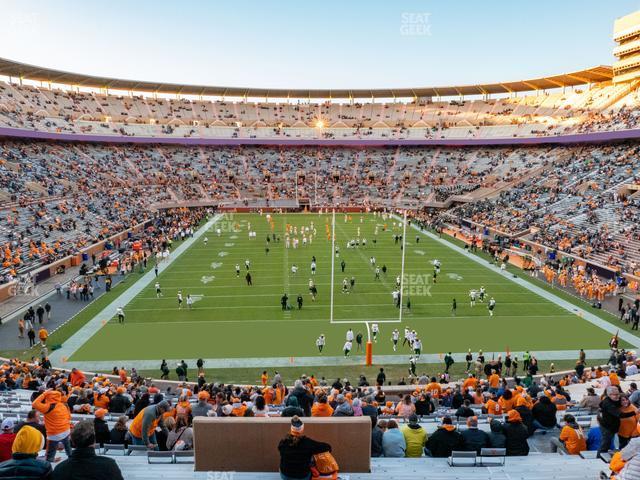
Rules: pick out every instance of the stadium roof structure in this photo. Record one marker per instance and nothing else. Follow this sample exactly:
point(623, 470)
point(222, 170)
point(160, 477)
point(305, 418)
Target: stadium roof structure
point(12, 68)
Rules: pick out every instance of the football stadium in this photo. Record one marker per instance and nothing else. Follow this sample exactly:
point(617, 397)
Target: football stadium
point(338, 281)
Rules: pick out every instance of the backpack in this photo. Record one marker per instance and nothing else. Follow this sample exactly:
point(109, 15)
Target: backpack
point(324, 466)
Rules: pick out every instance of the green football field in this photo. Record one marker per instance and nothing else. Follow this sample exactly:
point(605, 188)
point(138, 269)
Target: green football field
point(230, 319)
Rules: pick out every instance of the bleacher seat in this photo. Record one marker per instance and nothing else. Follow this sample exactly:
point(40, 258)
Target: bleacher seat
point(492, 456)
point(462, 459)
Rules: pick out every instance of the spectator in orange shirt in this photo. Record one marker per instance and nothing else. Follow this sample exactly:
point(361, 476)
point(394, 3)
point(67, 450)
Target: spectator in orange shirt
point(506, 401)
point(494, 381)
point(492, 407)
point(628, 421)
point(471, 382)
point(321, 408)
point(572, 439)
point(76, 377)
point(434, 389)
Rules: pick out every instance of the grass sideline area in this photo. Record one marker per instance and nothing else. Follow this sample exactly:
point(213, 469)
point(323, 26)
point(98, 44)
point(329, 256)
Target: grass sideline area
point(233, 320)
point(542, 283)
point(251, 376)
point(61, 334)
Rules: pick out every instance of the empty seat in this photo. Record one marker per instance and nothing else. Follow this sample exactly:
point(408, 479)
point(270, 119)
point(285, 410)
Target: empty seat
point(492, 456)
point(159, 457)
point(118, 448)
point(462, 459)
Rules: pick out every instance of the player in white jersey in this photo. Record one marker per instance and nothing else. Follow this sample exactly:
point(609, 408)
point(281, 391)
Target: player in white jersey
point(349, 335)
point(206, 240)
point(374, 331)
point(237, 270)
point(119, 313)
point(347, 348)
point(189, 302)
point(294, 269)
point(407, 336)
point(320, 341)
point(417, 347)
point(345, 286)
point(472, 297)
point(247, 264)
point(313, 268)
point(377, 277)
point(491, 306)
point(158, 291)
point(482, 294)
point(218, 231)
point(436, 265)
point(398, 281)
point(395, 336)
point(179, 300)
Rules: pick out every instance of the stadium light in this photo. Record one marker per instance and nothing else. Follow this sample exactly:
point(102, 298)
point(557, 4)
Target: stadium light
point(320, 124)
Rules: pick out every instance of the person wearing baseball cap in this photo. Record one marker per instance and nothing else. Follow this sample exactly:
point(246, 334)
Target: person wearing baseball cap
point(6, 439)
point(144, 425)
point(415, 437)
point(101, 427)
point(516, 435)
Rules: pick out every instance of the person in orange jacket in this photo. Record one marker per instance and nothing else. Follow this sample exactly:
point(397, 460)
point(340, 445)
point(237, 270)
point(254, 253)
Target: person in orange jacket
point(321, 408)
point(143, 427)
point(76, 378)
point(57, 421)
point(43, 335)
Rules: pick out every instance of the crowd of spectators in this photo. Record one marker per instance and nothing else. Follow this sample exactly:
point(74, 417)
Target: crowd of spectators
point(552, 113)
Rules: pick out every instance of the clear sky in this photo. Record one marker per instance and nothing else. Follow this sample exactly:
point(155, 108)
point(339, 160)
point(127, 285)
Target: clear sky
point(303, 44)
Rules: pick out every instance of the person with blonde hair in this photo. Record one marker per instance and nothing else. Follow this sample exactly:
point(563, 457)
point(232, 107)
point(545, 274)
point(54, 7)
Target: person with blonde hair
point(181, 436)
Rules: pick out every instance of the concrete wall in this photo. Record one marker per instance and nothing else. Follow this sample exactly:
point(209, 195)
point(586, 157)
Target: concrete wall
point(250, 444)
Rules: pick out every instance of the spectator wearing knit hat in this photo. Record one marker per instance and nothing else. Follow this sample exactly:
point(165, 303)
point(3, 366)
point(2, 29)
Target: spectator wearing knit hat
point(101, 427)
point(296, 451)
point(202, 408)
point(515, 435)
point(24, 463)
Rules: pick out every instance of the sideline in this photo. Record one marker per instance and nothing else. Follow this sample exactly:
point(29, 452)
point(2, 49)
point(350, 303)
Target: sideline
point(73, 343)
point(322, 361)
point(570, 307)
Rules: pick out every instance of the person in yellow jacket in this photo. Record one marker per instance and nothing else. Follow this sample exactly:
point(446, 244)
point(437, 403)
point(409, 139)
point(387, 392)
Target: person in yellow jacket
point(143, 427)
point(57, 421)
point(415, 437)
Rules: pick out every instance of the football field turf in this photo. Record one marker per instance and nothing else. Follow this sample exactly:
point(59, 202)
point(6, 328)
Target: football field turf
point(230, 319)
